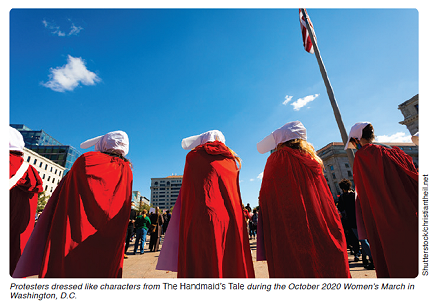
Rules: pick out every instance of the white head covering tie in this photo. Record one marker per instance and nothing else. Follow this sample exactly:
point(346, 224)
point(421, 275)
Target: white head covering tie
point(194, 141)
point(114, 142)
point(355, 132)
point(16, 142)
point(290, 131)
point(415, 138)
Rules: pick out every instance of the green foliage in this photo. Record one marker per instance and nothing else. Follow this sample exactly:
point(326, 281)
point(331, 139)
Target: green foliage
point(42, 200)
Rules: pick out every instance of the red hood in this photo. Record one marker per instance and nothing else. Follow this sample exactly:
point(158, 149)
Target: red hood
point(216, 148)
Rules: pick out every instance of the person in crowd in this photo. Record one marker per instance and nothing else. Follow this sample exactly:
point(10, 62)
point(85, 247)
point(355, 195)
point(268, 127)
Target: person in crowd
point(130, 229)
point(212, 234)
point(301, 235)
point(166, 221)
point(81, 232)
point(346, 205)
point(246, 215)
point(386, 183)
point(156, 230)
point(253, 224)
point(143, 223)
point(24, 186)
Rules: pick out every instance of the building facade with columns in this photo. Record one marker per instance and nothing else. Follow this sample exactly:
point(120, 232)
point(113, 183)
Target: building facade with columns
point(164, 191)
point(410, 111)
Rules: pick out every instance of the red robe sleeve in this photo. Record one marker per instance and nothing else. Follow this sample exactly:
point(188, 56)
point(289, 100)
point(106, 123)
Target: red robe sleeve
point(86, 220)
point(301, 230)
point(23, 198)
point(386, 183)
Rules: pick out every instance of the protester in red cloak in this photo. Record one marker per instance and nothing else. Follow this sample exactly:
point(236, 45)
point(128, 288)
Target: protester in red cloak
point(386, 183)
point(25, 184)
point(300, 232)
point(81, 232)
point(213, 239)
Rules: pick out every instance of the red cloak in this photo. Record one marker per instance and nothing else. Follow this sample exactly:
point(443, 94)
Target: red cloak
point(213, 239)
point(300, 226)
point(22, 207)
point(386, 183)
point(81, 233)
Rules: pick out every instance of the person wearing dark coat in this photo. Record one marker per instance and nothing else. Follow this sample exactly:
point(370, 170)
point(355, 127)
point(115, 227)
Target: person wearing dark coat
point(130, 230)
point(156, 229)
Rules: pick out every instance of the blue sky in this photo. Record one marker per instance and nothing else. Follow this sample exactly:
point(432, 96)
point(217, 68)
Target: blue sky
point(165, 74)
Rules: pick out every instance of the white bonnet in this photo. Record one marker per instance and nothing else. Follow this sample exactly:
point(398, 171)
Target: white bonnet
point(114, 142)
point(16, 142)
point(290, 131)
point(210, 136)
point(355, 132)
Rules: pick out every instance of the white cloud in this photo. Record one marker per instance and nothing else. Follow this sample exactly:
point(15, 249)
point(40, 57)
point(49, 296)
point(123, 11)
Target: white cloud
point(301, 102)
point(397, 137)
point(74, 30)
point(53, 28)
point(260, 176)
point(56, 29)
point(71, 75)
point(287, 99)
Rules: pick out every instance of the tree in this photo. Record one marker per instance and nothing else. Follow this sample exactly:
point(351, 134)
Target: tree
point(42, 200)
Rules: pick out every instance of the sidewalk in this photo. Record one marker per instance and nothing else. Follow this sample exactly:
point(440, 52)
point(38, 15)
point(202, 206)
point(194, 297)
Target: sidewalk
point(144, 266)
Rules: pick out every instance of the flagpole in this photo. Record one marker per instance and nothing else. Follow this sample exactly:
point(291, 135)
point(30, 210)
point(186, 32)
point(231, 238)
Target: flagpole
point(331, 96)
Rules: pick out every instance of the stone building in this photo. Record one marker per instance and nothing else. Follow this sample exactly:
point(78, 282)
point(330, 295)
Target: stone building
point(410, 111)
point(164, 191)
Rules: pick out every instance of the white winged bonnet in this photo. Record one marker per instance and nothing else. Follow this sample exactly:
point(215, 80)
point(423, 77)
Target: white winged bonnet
point(290, 131)
point(355, 132)
point(194, 141)
point(115, 142)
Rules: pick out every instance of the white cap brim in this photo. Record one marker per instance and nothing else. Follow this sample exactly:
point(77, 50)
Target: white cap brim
point(91, 142)
point(190, 142)
point(267, 144)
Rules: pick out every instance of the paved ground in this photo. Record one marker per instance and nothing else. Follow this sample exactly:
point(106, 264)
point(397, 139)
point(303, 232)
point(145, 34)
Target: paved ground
point(144, 266)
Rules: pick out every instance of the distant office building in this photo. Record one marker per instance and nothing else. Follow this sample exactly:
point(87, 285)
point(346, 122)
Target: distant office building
point(50, 172)
point(410, 111)
point(138, 199)
point(45, 145)
point(164, 191)
point(337, 166)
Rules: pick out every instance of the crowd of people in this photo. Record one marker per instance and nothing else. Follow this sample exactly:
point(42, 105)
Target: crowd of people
point(88, 223)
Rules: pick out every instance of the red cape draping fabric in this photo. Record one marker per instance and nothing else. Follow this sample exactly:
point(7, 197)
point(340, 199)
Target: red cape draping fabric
point(301, 229)
point(22, 207)
point(83, 226)
point(386, 183)
point(213, 239)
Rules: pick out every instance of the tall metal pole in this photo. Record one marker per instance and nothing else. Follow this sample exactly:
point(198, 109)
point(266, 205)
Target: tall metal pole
point(331, 96)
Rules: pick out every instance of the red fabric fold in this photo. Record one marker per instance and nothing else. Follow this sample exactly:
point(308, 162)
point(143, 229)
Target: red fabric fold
point(86, 220)
point(301, 229)
point(22, 207)
point(386, 183)
point(213, 239)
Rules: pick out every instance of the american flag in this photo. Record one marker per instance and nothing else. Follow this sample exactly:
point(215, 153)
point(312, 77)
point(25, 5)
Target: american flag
point(308, 45)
